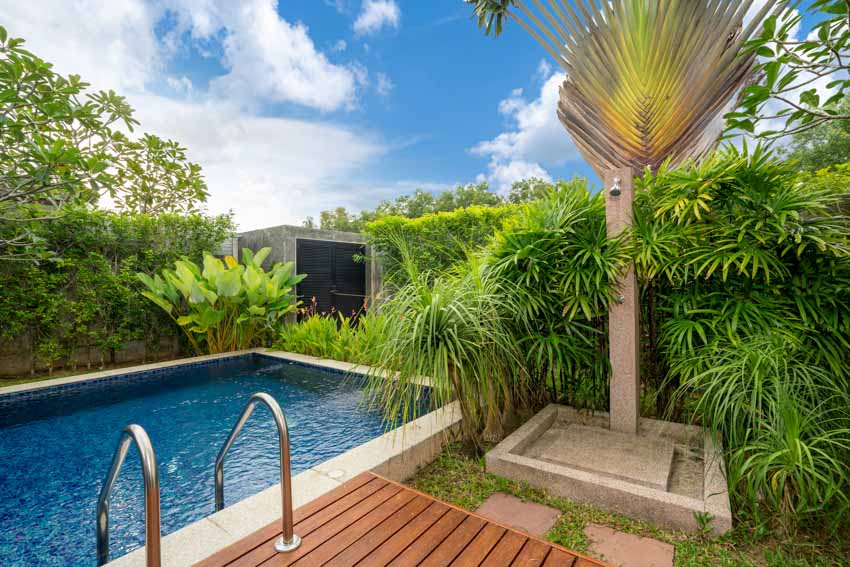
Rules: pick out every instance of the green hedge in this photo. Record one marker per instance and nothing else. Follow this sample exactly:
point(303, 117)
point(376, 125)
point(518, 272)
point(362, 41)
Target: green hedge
point(88, 299)
point(439, 241)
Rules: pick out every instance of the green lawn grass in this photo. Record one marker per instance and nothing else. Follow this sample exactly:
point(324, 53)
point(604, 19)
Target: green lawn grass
point(461, 480)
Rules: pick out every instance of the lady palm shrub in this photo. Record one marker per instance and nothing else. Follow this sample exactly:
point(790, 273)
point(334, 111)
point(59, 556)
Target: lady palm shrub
point(556, 267)
point(745, 275)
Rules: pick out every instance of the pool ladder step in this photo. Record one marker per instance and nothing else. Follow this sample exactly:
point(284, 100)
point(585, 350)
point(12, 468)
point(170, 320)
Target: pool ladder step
point(153, 534)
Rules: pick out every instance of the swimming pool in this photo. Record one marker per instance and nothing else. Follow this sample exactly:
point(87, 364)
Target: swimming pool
point(56, 446)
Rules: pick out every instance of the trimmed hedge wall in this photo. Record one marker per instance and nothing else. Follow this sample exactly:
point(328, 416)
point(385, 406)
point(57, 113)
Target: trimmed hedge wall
point(85, 306)
point(439, 240)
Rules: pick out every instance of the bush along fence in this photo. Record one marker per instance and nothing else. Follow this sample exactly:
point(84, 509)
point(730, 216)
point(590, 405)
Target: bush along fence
point(441, 240)
point(85, 308)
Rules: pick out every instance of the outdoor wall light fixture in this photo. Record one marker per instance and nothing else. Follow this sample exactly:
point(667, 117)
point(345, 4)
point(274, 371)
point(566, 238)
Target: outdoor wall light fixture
point(615, 190)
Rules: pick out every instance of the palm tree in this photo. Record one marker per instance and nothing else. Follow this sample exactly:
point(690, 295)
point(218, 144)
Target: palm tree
point(647, 80)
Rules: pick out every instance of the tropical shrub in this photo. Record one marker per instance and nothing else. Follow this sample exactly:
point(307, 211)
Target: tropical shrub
point(452, 329)
point(785, 422)
point(745, 271)
point(519, 323)
point(225, 306)
point(556, 266)
point(334, 336)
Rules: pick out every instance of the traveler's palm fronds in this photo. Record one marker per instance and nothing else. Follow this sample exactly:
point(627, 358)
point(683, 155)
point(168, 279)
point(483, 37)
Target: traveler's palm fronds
point(646, 80)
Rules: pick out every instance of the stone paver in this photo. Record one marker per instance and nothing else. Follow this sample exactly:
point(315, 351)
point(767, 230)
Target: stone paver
point(627, 550)
point(529, 517)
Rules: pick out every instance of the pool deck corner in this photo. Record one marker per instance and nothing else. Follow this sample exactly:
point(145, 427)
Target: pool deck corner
point(396, 455)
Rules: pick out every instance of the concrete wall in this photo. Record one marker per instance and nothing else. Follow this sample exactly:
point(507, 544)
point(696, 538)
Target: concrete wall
point(17, 358)
point(282, 240)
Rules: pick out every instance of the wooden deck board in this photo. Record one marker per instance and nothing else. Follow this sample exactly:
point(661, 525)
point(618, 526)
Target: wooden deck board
point(374, 522)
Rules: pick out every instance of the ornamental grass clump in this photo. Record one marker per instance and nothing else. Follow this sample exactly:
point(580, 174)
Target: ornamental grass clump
point(449, 331)
point(225, 306)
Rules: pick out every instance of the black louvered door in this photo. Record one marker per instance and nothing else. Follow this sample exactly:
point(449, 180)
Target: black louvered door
point(334, 278)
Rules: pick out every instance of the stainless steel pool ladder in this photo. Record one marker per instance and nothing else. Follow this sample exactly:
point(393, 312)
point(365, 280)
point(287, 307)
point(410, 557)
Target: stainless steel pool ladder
point(288, 541)
point(149, 472)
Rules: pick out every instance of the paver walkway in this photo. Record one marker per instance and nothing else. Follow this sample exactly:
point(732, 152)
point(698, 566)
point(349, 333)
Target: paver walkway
point(628, 550)
point(530, 517)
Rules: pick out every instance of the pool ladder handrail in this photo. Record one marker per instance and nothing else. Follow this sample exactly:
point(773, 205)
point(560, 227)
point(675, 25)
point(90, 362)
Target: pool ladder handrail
point(153, 535)
point(288, 541)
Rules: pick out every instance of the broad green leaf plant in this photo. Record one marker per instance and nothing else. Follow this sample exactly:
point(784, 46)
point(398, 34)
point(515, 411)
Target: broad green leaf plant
point(225, 306)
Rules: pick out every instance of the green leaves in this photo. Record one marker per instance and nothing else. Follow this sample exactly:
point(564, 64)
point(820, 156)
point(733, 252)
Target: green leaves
point(790, 67)
point(226, 306)
point(64, 147)
point(752, 311)
point(490, 14)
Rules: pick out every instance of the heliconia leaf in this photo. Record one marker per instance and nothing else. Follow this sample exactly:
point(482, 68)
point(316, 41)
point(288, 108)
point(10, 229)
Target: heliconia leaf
point(166, 306)
point(229, 283)
point(247, 256)
point(261, 256)
point(196, 294)
point(213, 267)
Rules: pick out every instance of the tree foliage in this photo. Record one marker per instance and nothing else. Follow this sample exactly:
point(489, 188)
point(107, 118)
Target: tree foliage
point(822, 146)
point(441, 240)
point(787, 100)
point(421, 203)
point(62, 145)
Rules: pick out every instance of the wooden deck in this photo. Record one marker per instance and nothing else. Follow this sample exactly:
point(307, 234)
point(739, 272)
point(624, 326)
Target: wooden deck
point(371, 521)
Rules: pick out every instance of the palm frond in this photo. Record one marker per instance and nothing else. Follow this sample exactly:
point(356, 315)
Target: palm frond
point(646, 81)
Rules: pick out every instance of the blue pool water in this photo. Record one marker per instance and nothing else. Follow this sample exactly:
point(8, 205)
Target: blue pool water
point(55, 450)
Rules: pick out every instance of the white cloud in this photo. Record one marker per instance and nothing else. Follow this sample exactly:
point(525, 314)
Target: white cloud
point(536, 139)
point(110, 44)
point(384, 85)
point(340, 45)
point(503, 174)
point(181, 85)
point(376, 14)
point(269, 170)
point(268, 58)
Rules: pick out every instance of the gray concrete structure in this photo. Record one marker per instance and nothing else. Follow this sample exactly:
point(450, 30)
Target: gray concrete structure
point(283, 241)
point(540, 454)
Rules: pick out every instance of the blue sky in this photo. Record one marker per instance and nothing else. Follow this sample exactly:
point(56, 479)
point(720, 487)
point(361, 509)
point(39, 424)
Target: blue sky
point(294, 106)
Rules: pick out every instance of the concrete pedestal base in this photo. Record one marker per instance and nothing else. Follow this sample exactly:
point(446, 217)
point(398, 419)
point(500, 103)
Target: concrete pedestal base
point(664, 474)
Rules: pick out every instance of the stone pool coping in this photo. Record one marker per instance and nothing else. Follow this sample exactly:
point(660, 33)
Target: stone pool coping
point(115, 372)
point(396, 455)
